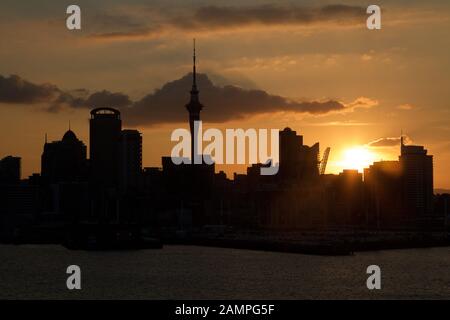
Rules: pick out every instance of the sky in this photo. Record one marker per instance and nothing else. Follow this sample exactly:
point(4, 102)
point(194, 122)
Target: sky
point(312, 66)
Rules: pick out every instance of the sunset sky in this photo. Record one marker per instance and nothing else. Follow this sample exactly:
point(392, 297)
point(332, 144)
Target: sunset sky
point(309, 65)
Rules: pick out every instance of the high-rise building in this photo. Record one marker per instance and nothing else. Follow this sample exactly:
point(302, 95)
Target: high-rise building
point(298, 162)
point(343, 198)
point(417, 168)
point(130, 158)
point(19, 204)
point(10, 170)
point(65, 160)
point(383, 182)
point(400, 193)
point(105, 133)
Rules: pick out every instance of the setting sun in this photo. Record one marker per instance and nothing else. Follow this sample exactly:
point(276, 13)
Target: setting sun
point(357, 158)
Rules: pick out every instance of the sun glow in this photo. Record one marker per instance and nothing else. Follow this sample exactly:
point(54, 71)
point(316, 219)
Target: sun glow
point(357, 158)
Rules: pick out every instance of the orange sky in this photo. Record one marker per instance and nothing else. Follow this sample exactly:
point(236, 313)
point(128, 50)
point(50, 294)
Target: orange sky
point(403, 70)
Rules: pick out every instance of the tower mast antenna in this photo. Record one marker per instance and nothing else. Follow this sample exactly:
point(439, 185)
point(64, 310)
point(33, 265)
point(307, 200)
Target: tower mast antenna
point(194, 70)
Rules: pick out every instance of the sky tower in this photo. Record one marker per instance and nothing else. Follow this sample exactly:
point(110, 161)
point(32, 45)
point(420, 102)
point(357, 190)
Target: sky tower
point(194, 106)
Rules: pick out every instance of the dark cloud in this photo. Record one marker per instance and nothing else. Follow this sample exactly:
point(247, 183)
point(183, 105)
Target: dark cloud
point(210, 18)
point(103, 20)
point(135, 33)
point(221, 103)
point(166, 105)
point(14, 89)
point(108, 99)
point(225, 17)
point(388, 142)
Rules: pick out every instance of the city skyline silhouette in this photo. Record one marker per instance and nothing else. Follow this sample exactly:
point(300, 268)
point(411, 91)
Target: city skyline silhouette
point(110, 199)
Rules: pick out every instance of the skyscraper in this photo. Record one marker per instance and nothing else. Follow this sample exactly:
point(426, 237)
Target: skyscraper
point(10, 169)
point(105, 129)
point(130, 158)
point(194, 107)
point(298, 162)
point(65, 160)
point(417, 168)
point(383, 181)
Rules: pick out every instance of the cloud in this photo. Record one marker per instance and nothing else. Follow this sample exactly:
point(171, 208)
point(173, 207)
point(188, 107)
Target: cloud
point(107, 99)
point(361, 102)
point(366, 57)
point(222, 104)
point(388, 142)
point(218, 18)
point(226, 17)
point(167, 104)
point(16, 90)
point(340, 124)
point(140, 33)
point(405, 107)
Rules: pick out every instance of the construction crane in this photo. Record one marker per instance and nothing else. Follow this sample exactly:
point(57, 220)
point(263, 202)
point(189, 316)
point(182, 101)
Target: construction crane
point(323, 162)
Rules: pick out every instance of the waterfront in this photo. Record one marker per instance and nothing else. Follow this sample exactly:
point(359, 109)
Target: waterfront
point(192, 272)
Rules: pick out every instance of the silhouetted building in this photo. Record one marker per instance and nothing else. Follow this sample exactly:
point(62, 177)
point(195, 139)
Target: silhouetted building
point(19, 204)
point(10, 170)
point(105, 129)
point(131, 159)
point(69, 202)
point(65, 160)
point(442, 208)
point(344, 198)
point(417, 168)
point(298, 162)
point(384, 203)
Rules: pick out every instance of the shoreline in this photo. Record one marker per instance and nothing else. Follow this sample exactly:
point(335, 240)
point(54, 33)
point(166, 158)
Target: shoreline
point(318, 248)
point(326, 243)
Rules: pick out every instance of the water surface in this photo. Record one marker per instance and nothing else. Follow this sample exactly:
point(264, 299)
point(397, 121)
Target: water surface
point(190, 272)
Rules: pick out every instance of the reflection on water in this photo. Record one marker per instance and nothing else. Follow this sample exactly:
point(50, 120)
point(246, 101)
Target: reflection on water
point(189, 272)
